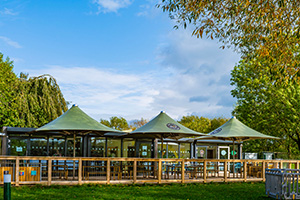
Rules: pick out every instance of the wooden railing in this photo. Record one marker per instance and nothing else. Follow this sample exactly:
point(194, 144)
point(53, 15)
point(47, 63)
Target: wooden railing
point(65, 170)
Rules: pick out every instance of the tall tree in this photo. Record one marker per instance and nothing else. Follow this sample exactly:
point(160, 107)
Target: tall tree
point(28, 102)
point(43, 97)
point(118, 123)
point(202, 124)
point(138, 123)
point(268, 29)
point(268, 106)
point(8, 93)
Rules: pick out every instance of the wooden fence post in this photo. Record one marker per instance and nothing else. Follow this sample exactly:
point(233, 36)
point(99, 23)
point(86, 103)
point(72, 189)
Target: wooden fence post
point(225, 171)
point(134, 171)
point(204, 171)
point(108, 171)
point(17, 171)
point(80, 171)
point(245, 171)
point(182, 171)
point(159, 171)
point(49, 171)
point(264, 171)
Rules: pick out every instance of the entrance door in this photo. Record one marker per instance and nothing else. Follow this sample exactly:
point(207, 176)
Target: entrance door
point(144, 149)
point(223, 152)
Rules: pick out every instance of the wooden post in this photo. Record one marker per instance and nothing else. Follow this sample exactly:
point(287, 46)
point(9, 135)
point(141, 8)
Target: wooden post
point(204, 171)
point(17, 171)
point(182, 171)
point(159, 171)
point(264, 171)
point(225, 171)
point(245, 171)
point(134, 171)
point(297, 164)
point(107, 171)
point(49, 171)
point(80, 171)
point(281, 165)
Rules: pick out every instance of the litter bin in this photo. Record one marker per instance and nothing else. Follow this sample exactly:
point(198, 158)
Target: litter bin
point(282, 183)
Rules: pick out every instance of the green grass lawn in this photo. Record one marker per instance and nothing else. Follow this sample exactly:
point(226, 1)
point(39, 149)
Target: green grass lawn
point(166, 191)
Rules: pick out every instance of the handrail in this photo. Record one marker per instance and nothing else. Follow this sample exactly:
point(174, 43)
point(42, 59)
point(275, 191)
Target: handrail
point(138, 170)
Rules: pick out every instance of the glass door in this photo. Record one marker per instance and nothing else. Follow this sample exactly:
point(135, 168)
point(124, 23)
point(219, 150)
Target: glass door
point(144, 149)
point(223, 153)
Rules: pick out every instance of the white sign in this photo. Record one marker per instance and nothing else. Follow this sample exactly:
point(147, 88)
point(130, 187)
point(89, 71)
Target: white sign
point(144, 153)
point(19, 149)
point(223, 152)
point(144, 148)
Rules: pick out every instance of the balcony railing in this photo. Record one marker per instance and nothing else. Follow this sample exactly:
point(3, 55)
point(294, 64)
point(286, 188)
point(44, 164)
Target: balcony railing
point(68, 171)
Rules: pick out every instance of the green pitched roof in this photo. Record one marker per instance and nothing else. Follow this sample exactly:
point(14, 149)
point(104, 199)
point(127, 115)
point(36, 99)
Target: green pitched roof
point(163, 126)
point(236, 131)
point(76, 120)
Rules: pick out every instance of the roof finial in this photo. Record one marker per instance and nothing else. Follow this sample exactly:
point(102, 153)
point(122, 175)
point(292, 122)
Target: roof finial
point(162, 111)
point(74, 105)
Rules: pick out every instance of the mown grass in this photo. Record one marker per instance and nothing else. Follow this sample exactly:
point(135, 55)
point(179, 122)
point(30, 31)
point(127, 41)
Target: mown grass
point(218, 191)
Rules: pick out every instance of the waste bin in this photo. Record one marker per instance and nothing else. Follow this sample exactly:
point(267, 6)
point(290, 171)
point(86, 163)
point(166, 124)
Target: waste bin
point(282, 183)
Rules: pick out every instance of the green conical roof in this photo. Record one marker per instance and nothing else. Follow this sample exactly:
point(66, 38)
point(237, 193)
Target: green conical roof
point(236, 131)
point(163, 126)
point(75, 120)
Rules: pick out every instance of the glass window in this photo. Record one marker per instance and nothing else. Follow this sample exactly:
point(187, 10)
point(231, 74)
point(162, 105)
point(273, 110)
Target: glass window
point(97, 146)
point(201, 152)
point(57, 146)
point(172, 150)
point(185, 150)
point(145, 149)
point(128, 148)
point(18, 146)
point(78, 146)
point(113, 147)
point(164, 150)
point(38, 146)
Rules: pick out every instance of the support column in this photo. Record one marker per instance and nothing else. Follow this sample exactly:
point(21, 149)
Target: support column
point(122, 147)
point(48, 145)
point(155, 148)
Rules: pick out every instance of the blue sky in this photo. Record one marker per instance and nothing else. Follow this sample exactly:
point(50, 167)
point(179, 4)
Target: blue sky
point(118, 57)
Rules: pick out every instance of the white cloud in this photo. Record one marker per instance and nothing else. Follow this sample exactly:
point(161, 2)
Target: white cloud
point(149, 9)
point(103, 93)
point(10, 42)
point(7, 11)
point(111, 5)
point(200, 83)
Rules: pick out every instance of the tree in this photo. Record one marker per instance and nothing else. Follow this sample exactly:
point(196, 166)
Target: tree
point(268, 106)
point(8, 93)
point(202, 124)
point(268, 29)
point(138, 123)
point(28, 102)
point(118, 123)
point(43, 97)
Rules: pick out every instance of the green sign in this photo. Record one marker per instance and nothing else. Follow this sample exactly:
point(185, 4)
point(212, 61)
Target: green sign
point(233, 152)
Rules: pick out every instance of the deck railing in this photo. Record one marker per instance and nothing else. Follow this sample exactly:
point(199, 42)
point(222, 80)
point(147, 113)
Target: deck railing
point(79, 170)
